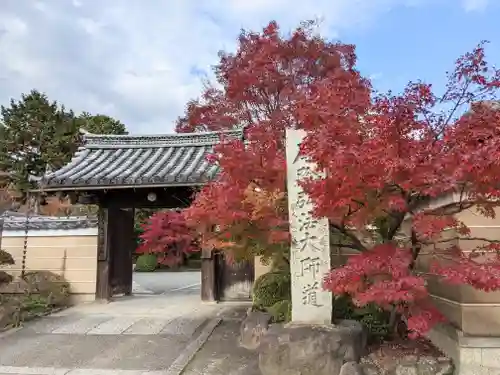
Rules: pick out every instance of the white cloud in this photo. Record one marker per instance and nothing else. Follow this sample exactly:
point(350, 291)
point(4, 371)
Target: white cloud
point(474, 5)
point(134, 59)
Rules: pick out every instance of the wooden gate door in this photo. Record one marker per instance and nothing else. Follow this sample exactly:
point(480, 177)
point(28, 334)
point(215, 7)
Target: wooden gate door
point(121, 223)
point(235, 279)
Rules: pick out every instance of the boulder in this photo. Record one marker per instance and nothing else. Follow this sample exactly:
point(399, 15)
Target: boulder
point(255, 325)
point(310, 350)
point(409, 364)
point(8, 311)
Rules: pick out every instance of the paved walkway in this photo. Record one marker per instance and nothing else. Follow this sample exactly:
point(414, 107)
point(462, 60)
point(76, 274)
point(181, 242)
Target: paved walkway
point(165, 282)
point(146, 334)
point(222, 355)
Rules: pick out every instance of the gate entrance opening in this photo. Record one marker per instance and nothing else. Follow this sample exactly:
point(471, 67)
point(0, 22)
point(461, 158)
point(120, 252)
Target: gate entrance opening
point(122, 173)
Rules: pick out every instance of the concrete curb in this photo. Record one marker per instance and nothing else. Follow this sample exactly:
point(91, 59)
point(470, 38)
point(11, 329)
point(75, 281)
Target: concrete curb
point(182, 361)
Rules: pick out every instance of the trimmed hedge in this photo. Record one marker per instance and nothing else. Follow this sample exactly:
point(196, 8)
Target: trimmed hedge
point(375, 320)
point(281, 311)
point(146, 263)
point(270, 288)
point(272, 293)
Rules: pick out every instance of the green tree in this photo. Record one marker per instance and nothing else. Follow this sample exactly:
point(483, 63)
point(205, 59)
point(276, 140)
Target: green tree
point(37, 134)
point(101, 124)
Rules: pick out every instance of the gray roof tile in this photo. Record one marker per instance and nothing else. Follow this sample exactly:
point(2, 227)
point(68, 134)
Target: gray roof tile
point(153, 160)
point(18, 222)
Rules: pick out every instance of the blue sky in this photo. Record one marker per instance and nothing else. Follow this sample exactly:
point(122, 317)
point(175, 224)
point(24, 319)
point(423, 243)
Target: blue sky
point(141, 61)
point(423, 42)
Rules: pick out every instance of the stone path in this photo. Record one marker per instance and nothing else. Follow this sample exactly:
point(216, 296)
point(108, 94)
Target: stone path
point(116, 325)
point(221, 354)
point(139, 289)
point(147, 334)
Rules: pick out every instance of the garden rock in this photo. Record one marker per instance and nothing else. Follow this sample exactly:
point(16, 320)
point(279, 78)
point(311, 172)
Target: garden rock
point(255, 325)
point(351, 368)
point(310, 350)
point(7, 314)
point(406, 365)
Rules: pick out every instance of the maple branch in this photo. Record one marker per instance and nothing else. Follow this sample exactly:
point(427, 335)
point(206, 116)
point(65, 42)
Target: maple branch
point(458, 103)
point(458, 238)
point(346, 245)
point(411, 201)
point(394, 228)
point(358, 245)
point(416, 247)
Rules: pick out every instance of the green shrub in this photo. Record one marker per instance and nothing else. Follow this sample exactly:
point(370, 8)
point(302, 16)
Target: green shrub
point(34, 304)
point(37, 293)
point(281, 311)
point(271, 288)
point(375, 320)
point(50, 287)
point(146, 263)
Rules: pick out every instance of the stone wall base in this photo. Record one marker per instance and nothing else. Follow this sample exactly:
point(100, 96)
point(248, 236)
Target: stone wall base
point(472, 355)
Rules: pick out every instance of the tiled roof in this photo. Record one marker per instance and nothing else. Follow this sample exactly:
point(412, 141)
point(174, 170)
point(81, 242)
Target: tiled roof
point(17, 221)
point(107, 161)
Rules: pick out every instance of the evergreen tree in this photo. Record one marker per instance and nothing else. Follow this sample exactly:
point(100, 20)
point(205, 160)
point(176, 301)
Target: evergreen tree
point(37, 135)
point(101, 124)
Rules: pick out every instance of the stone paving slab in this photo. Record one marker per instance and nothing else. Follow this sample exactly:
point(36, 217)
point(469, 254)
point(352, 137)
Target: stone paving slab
point(67, 371)
point(115, 326)
point(138, 289)
point(221, 354)
point(81, 325)
point(147, 326)
point(182, 326)
point(109, 325)
point(125, 352)
point(146, 306)
point(50, 323)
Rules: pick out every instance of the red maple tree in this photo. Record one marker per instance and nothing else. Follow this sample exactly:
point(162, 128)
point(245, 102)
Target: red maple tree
point(389, 161)
point(167, 235)
point(259, 86)
point(408, 163)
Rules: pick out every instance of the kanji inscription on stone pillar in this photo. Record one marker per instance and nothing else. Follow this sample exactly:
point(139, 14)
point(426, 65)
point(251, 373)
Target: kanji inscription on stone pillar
point(310, 247)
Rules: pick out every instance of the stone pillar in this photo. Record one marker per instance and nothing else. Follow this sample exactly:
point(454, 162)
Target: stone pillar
point(310, 248)
point(311, 344)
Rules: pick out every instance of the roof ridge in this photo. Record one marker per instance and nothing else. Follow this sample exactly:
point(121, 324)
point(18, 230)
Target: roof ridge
point(159, 140)
point(89, 135)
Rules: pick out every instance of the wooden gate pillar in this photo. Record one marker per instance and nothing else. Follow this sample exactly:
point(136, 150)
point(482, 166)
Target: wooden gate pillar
point(115, 247)
point(103, 284)
point(121, 240)
point(208, 277)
